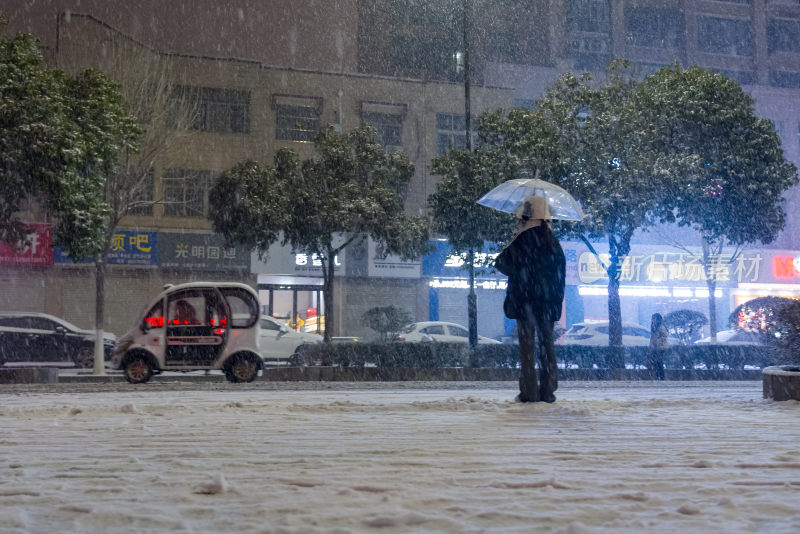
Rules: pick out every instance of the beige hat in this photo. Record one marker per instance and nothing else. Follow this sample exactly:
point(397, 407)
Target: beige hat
point(532, 208)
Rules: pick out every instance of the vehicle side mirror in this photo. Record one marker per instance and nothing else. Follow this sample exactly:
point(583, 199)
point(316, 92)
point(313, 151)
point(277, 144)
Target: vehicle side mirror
point(426, 337)
point(144, 327)
point(284, 329)
point(61, 330)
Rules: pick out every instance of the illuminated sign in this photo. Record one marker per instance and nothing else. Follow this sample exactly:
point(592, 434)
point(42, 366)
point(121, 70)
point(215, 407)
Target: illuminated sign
point(301, 259)
point(666, 267)
point(463, 283)
point(442, 262)
point(649, 291)
point(784, 267)
point(37, 250)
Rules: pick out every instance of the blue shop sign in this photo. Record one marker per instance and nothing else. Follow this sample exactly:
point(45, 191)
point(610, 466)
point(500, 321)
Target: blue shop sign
point(128, 247)
point(442, 262)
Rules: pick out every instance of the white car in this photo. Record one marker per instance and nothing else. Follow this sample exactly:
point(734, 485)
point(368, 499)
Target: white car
point(733, 337)
point(276, 341)
point(633, 335)
point(439, 331)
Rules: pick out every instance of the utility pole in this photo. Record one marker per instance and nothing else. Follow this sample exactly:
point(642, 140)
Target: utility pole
point(472, 298)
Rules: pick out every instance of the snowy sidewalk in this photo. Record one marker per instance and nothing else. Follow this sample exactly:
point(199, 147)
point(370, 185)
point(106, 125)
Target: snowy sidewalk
point(607, 457)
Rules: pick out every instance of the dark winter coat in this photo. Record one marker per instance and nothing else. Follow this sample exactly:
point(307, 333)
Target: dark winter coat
point(536, 268)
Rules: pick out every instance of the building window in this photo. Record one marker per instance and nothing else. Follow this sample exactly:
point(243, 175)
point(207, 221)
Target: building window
point(296, 123)
point(450, 132)
point(527, 103)
point(654, 27)
point(589, 16)
point(733, 37)
point(142, 199)
point(783, 35)
point(785, 79)
point(798, 138)
point(389, 128)
point(744, 77)
point(218, 110)
point(186, 192)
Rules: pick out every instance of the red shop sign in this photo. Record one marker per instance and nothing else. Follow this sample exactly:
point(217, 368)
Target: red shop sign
point(38, 250)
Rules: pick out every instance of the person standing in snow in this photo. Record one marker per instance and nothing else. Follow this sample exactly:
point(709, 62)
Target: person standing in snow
point(659, 344)
point(536, 268)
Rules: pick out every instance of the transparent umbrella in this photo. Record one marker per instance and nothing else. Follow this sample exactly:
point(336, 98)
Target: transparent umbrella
point(508, 195)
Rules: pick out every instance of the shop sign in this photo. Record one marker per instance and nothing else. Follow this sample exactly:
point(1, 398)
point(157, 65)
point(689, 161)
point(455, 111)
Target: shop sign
point(128, 247)
point(785, 267)
point(383, 265)
point(204, 252)
point(282, 259)
point(673, 268)
point(441, 261)
point(36, 250)
point(463, 283)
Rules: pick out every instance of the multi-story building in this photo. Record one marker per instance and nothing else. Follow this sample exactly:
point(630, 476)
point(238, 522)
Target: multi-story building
point(271, 72)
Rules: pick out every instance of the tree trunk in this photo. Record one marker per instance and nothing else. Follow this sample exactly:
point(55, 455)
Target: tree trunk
point(99, 314)
point(614, 307)
point(712, 307)
point(472, 302)
point(327, 291)
point(711, 284)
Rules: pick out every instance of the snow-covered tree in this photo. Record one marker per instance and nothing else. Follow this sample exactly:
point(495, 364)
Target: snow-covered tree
point(352, 189)
point(164, 114)
point(728, 161)
point(466, 177)
point(61, 140)
point(606, 159)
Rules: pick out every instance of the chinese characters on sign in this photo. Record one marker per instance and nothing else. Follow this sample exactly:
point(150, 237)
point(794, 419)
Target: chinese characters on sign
point(127, 247)
point(679, 267)
point(207, 252)
point(301, 259)
point(133, 248)
point(36, 250)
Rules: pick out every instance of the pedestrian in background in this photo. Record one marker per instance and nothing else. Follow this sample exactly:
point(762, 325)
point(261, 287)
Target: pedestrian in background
point(659, 344)
point(536, 268)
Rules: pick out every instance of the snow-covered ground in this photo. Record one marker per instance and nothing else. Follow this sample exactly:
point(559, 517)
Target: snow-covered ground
point(334, 458)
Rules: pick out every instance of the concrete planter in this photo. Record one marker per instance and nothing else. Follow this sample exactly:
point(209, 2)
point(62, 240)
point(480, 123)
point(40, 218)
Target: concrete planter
point(781, 382)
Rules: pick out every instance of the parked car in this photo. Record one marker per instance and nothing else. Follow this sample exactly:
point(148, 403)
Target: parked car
point(633, 335)
point(28, 338)
point(439, 331)
point(194, 326)
point(733, 337)
point(277, 342)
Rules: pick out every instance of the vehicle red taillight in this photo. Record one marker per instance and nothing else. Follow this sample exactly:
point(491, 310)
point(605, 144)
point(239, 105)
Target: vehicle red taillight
point(399, 339)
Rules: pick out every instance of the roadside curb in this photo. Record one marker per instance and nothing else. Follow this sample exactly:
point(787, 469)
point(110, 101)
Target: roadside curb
point(45, 375)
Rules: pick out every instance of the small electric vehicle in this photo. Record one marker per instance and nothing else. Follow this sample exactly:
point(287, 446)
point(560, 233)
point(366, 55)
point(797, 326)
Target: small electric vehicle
point(194, 326)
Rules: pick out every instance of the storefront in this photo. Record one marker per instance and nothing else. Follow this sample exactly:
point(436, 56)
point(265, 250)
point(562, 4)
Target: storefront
point(447, 281)
point(664, 279)
point(290, 286)
point(43, 278)
point(653, 279)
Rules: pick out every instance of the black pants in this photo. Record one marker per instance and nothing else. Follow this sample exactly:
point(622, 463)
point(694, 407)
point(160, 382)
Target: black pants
point(655, 363)
point(529, 389)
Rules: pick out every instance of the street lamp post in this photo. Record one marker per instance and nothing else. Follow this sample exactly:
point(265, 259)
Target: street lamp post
point(472, 298)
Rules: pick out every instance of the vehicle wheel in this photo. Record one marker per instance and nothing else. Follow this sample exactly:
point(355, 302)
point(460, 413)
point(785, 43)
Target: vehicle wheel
point(137, 369)
point(85, 357)
point(242, 368)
